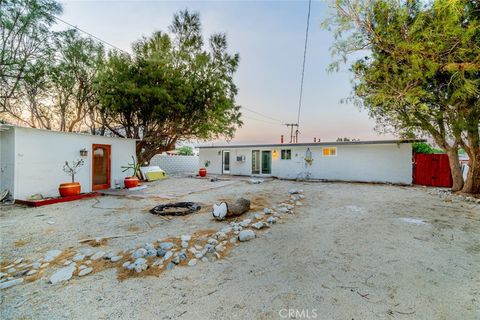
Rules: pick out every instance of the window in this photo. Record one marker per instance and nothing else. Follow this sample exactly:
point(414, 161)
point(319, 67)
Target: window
point(329, 152)
point(286, 154)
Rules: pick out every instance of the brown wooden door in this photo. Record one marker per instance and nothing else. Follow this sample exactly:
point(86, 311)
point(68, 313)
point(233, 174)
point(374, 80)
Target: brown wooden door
point(100, 166)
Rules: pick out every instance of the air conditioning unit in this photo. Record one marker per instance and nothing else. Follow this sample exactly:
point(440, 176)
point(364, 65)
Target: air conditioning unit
point(241, 158)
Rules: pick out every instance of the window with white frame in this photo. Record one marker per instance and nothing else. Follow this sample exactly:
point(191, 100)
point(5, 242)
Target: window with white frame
point(329, 152)
point(286, 154)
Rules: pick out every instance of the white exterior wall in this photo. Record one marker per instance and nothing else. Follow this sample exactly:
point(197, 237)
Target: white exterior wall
point(354, 162)
point(39, 157)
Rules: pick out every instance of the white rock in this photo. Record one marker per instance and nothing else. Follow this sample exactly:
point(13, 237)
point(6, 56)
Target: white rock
point(78, 257)
point(198, 247)
point(212, 241)
point(44, 265)
point(259, 225)
point(259, 216)
point(267, 210)
point(184, 244)
point(167, 255)
point(63, 274)
point(149, 246)
point(82, 267)
point(245, 223)
point(186, 237)
point(2, 275)
point(51, 255)
point(272, 220)
point(139, 253)
point(290, 207)
point(158, 263)
point(283, 210)
point(36, 265)
point(11, 270)
point(31, 272)
point(226, 229)
point(87, 252)
point(19, 260)
point(220, 248)
point(221, 236)
point(88, 262)
point(116, 258)
point(246, 235)
point(67, 262)
point(192, 262)
point(85, 271)
point(98, 255)
point(233, 240)
point(11, 283)
point(298, 203)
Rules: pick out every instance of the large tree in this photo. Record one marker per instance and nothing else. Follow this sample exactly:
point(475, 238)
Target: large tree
point(421, 72)
point(173, 87)
point(24, 35)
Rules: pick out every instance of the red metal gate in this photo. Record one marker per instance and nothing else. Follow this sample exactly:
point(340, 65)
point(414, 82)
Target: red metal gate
point(432, 170)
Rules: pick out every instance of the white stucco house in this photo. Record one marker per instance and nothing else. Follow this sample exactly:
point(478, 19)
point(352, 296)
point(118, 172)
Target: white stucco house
point(387, 161)
point(31, 160)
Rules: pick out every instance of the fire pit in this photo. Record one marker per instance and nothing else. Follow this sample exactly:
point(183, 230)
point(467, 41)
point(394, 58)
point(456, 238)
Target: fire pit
point(176, 209)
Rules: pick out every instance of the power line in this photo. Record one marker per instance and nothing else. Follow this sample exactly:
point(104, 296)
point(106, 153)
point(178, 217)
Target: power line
point(303, 66)
point(261, 120)
point(91, 35)
point(263, 115)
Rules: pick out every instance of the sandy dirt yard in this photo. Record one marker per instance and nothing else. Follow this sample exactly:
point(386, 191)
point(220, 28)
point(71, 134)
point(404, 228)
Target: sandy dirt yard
point(349, 251)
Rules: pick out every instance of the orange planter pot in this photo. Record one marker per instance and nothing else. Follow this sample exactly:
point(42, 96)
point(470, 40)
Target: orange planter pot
point(69, 189)
point(130, 182)
point(202, 172)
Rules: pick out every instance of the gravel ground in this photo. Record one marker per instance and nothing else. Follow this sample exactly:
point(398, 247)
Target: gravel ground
point(351, 251)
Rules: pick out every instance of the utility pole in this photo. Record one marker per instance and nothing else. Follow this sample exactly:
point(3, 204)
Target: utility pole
point(293, 137)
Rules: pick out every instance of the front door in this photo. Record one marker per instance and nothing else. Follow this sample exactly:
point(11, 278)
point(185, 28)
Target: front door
point(266, 162)
point(226, 162)
point(100, 166)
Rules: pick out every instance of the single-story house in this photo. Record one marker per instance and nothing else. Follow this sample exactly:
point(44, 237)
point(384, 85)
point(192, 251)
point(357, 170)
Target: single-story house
point(387, 161)
point(32, 160)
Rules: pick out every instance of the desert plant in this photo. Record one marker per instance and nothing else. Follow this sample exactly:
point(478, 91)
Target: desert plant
point(134, 166)
point(73, 169)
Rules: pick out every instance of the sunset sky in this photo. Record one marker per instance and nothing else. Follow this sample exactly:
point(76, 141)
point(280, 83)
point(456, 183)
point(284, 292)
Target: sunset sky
point(269, 36)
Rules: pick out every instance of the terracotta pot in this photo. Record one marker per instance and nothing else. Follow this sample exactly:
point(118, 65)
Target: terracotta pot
point(130, 182)
point(202, 172)
point(69, 189)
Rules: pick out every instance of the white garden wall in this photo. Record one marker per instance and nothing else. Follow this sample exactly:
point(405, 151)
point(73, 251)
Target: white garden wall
point(173, 164)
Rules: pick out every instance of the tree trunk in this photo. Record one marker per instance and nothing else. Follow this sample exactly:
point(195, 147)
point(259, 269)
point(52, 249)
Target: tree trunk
point(455, 168)
point(230, 209)
point(472, 184)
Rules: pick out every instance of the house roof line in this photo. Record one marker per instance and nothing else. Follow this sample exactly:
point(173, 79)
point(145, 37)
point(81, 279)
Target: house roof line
point(6, 126)
point(313, 144)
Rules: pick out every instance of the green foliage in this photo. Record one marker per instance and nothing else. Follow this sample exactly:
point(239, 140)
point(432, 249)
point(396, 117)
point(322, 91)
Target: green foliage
point(420, 70)
point(24, 38)
point(172, 88)
point(422, 147)
point(134, 166)
point(185, 151)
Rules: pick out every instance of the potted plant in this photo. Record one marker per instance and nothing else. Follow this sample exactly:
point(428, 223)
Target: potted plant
point(71, 188)
point(132, 181)
point(203, 171)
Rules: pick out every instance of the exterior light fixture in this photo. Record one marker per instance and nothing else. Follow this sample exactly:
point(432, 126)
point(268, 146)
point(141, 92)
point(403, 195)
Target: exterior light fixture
point(83, 152)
